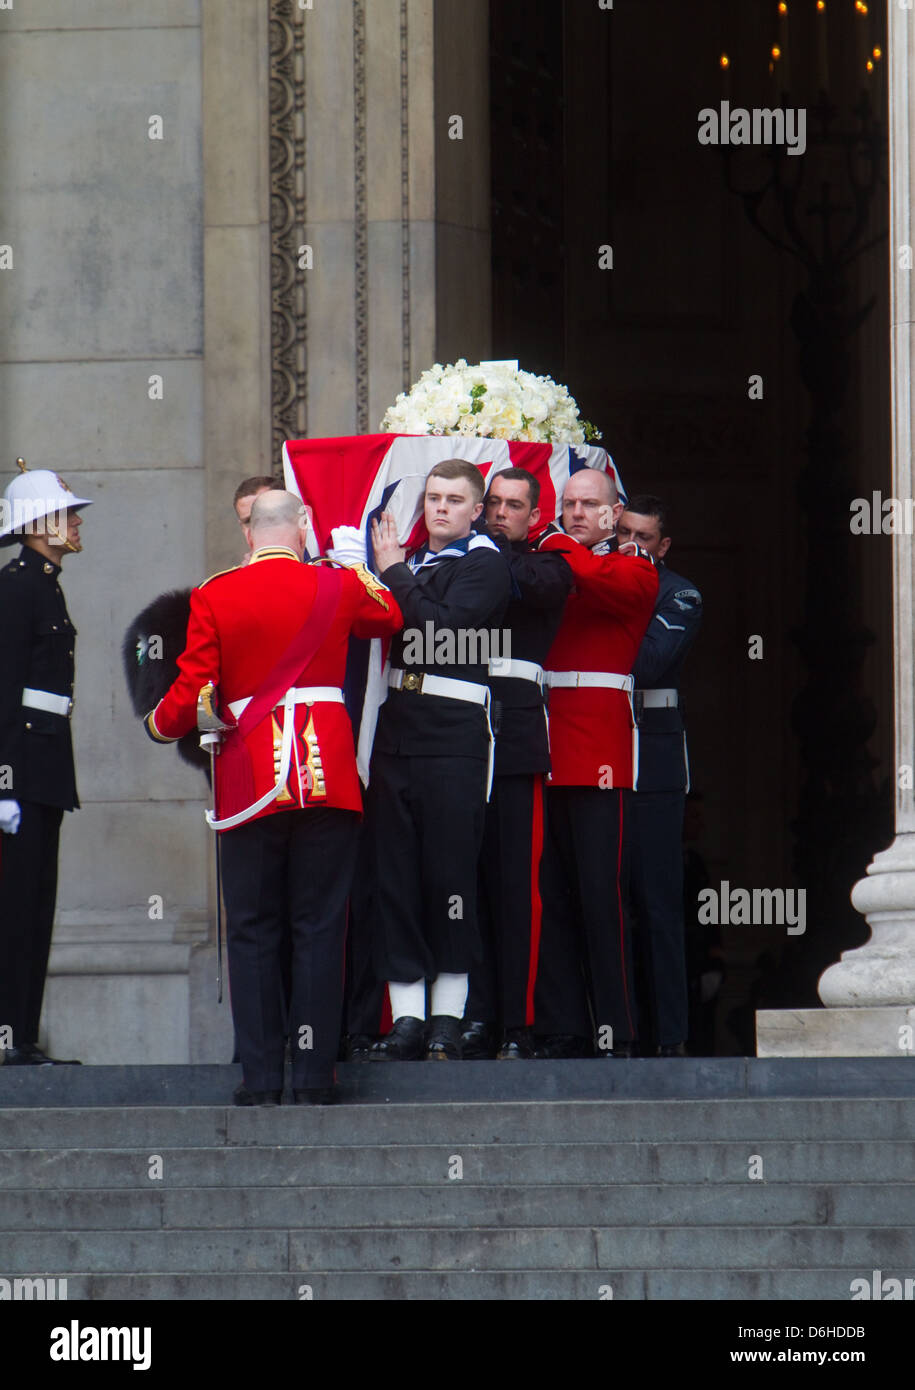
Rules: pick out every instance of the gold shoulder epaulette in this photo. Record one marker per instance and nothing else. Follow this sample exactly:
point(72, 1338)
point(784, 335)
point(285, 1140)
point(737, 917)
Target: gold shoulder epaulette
point(218, 575)
point(372, 583)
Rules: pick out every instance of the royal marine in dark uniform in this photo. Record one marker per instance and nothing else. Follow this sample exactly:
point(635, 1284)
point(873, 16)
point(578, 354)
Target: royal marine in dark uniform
point(656, 862)
point(37, 776)
point(500, 1002)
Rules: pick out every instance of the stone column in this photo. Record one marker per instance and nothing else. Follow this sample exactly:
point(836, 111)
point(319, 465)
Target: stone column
point(870, 993)
point(380, 220)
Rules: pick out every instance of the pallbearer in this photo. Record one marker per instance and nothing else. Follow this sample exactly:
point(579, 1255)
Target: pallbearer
point(37, 777)
point(271, 639)
point(500, 1004)
point(431, 765)
point(656, 877)
point(594, 763)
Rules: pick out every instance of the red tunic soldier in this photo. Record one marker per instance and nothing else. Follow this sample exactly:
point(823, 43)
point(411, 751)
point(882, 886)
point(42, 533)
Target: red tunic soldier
point(272, 638)
point(593, 752)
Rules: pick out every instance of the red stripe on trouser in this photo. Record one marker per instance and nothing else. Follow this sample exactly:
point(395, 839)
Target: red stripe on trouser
point(386, 1021)
point(536, 905)
point(619, 896)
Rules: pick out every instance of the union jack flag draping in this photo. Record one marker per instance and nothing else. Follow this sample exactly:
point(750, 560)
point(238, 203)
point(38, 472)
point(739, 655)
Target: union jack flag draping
point(350, 481)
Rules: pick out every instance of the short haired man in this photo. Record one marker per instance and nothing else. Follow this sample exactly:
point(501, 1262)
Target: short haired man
point(593, 765)
point(500, 1002)
point(429, 775)
point(273, 636)
point(37, 642)
point(656, 864)
point(247, 491)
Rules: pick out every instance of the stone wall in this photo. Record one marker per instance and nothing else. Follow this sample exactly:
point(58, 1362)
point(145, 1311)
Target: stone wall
point(101, 379)
point(159, 338)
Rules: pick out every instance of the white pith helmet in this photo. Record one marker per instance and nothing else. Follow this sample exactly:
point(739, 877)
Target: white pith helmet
point(34, 494)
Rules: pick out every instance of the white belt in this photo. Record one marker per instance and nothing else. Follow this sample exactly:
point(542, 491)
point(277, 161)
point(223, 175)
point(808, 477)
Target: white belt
point(609, 680)
point(501, 667)
point(303, 695)
point(48, 701)
point(422, 684)
point(658, 699)
point(578, 680)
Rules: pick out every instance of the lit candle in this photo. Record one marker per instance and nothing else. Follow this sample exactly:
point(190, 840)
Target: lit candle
point(724, 63)
point(822, 47)
point(784, 45)
point(863, 46)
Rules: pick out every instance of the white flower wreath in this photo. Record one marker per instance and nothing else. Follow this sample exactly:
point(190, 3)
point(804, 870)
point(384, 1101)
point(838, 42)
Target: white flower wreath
point(495, 400)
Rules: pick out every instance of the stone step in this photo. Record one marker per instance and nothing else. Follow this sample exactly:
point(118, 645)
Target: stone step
point(749, 1285)
point(607, 1250)
point(689, 1078)
point(454, 1205)
point(342, 1165)
point(453, 1124)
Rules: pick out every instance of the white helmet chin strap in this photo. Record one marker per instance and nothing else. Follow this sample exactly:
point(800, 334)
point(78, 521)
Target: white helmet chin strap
point(74, 547)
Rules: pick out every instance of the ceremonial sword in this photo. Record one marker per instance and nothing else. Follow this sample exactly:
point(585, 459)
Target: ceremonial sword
point(211, 729)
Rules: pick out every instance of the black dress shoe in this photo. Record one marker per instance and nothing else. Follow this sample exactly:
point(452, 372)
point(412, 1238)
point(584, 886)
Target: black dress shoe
point(242, 1096)
point(316, 1095)
point(560, 1046)
point(517, 1045)
point(404, 1043)
point(357, 1047)
point(620, 1049)
point(478, 1041)
point(672, 1050)
point(444, 1039)
point(31, 1055)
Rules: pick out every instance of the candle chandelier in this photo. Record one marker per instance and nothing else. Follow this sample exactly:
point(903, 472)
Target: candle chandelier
point(790, 14)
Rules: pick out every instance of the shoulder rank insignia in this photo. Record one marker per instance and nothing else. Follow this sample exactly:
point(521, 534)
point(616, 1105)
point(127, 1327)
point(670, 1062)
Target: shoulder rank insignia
point(372, 583)
point(686, 599)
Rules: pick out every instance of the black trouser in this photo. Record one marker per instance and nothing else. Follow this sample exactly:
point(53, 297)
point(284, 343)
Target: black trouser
point(584, 950)
point(656, 886)
point(426, 825)
point(502, 983)
point(28, 894)
point(293, 866)
point(364, 991)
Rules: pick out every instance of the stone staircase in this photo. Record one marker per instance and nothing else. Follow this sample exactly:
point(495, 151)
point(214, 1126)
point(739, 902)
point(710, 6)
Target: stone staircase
point(728, 1179)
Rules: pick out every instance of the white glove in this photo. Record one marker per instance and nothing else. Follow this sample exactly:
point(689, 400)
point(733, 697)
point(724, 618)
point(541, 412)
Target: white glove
point(348, 545)
point(10, 816)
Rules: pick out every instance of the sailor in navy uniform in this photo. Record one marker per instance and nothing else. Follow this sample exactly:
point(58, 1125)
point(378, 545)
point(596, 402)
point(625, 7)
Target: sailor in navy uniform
point(432, 764)
point(37, 776)
point(500, 1003)
point(656, 865)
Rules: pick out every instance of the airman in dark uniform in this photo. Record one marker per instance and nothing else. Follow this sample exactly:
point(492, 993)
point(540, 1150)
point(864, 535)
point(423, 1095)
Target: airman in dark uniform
point(656, 862)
